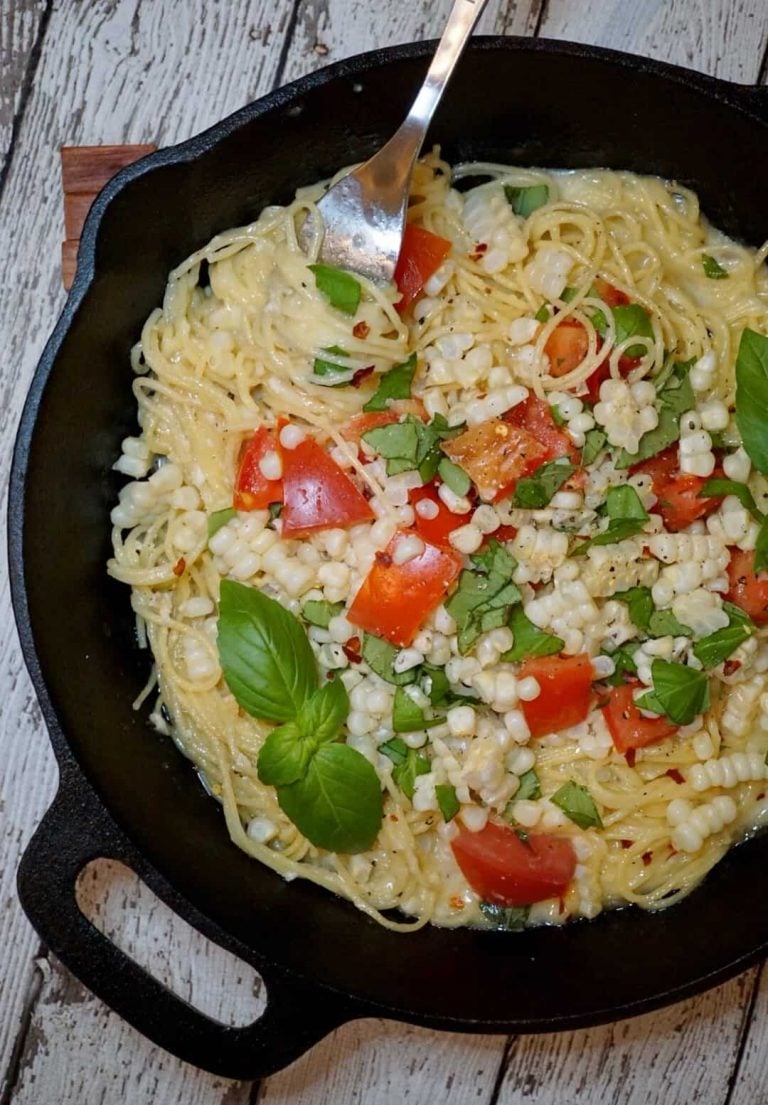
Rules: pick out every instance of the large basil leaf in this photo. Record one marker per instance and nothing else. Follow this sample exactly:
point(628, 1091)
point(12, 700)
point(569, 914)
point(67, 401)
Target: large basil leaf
point(752, 397)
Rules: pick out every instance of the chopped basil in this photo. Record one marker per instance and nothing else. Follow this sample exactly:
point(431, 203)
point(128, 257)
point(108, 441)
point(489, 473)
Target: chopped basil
point(529, 789)
point(333, 373)
point(411, 445)
point(678, 691)
point(716, 487)
point(577, 804)
point(760, 562)
point(220, 518)
point(663, 623)
point(542, 315)
point(752, 397)
point(524, 201)
point(484, 596)
point(447, 801)
point(339, 287)
point(632, 321)
point(594, 441)
point(405, 773)
point(441, 695)
point(505, 918)
point(407, 716)
point(627, 517)
point(319, 613)
point(712, 268)
point(557, 417)
point(529, 640)
point(717, 647)
point(674, 397)
point(639, 604)
point(395, 749)
point(534, 492)
point(454, 477)
point(395, 384)
point(623, 658)
point(380, 657)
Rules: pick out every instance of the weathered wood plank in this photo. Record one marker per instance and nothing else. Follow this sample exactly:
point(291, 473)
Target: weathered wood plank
point(750, 1083)
point(724, 37)
point(665, 1056)
point(20, 26)
point(109, 72)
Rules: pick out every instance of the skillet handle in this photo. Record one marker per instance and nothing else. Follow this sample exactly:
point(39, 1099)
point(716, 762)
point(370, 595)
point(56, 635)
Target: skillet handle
point(754, 98)
point(74, 831)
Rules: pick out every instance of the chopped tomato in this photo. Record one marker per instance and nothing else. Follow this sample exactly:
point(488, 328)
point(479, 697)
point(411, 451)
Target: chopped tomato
point(253, 491)
point(566, 347)
point(506, 870)
point(396, 599)
point(438, 529)
point(627, 725)
point(495, 455)
point(317, 494)
point(503, 533)
point(678, 494)
point(747, 590)
point(535, 416)
point(611, 296)
point(421, 255)
point(566, 692)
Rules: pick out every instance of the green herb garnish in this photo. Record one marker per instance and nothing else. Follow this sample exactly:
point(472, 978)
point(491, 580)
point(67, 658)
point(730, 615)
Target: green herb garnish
point(712, 268)
point(577, 804)
point(319, 612)
point(484, 596)
point(627, 517)
point(536, 491)
point(339, 287)
point(524, 201)
point(454, 477)
point(674, 397)
point(679, 692)
point(752, 397)
point(632, 321)
point(717, 647)
point(529, 640)
point(220, 518)
point(529, 789)
point(380, 657)
point(594, 440)
point(395, 384)
point(411, 445)
point(407, 716)
point(716, 487)
point(447, 801)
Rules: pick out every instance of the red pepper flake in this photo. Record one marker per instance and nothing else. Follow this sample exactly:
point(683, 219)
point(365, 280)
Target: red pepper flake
point(361, 330)
point(180, 566)
point(630, 755)
point(393, 817)
point(673, 773)
point(478, 251)
point(456, 902)
point(731, 666)
point(626, 843)
point(384, 559)
point(647, 857)
point(360, 375)
point(352, 650)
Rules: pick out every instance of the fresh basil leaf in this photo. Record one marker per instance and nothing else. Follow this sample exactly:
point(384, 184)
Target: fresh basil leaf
point(407, 716)
point(594, 440)
point(632, 321)
point(624, 502)
point(441, 694)
point(623, 658)
point(332, 374)
point(675, 397)
point(524, 201)
point(536, 491)
point(339, 287)
point(568, 293)
point(337, 805)
point(395, 384)
point(505, 918)
point(716, 487)
point(557, 417)
point(454, 477)
point(717, 647)
point(285, 755)
point(447, 802)
point(405, 774)
point(395, 749)
point(529, 789)
point(760, 562)
point(529, 640)
point(679, 692)
point(484, 596)
point(712, 268)
point(220, 518)
point(639, 604)
point(267, 661)
point(319, 613)
point(663, 623)
point(323, 715)
point(380, 657)
point(577, 804)
point(542, 315)
point(411, 445)
point(752, 397)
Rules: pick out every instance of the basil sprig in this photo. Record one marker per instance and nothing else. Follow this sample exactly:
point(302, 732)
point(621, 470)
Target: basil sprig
point(717, 487)
point(529, 640)
point(525, 200)
point(577, 804)
point(674, 397)
point(328, 790)
point(752, 397)
point(339, 287)
point(220, 518)
point(717, 647)
point(627, 517)
point(411, 445)
point(395, 384)
point(678, 691)
point(536, 491)
point(484, 596)
point(712, 268)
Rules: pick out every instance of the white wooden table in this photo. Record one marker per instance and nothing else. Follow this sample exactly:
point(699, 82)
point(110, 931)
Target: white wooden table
point(112, 71)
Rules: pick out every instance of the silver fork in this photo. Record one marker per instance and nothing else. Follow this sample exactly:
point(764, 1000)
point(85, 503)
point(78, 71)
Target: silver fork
point(364, 213)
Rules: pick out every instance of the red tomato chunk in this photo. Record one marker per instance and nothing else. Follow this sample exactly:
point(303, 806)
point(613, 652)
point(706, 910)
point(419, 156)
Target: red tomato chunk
point(678, 494)
point(747, 590)
point(435, 530)
point(627, 725)
point(566, 347)
point(566, 692)
point(421, 255)
point(535, 416)
point(253, 491)
point(508, 871)
point(495, 455)
point(395, 599)
point(317, 493)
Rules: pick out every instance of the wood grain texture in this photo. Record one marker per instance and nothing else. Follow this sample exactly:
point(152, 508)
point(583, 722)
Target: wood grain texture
point(20, 24)
point(727, 38)
point(751, 1083)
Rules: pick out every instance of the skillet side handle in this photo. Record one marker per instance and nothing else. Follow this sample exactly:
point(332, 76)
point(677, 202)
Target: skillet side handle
point(754, 97)
point(76, 830)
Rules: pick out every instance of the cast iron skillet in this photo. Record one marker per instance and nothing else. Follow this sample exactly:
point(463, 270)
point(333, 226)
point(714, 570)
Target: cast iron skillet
point(127, 793)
